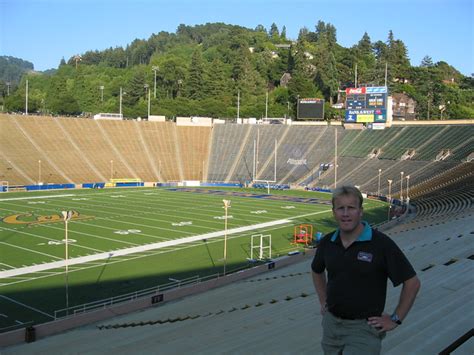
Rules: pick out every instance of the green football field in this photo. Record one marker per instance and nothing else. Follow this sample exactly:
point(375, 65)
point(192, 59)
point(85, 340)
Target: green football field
point(125, 240)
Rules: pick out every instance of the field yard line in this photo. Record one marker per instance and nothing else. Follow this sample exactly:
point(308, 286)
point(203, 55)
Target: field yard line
point(30, 250)
point(11, 267)
point(34, 197)
point(26, 306)
point(141, 248)
point(146, 247)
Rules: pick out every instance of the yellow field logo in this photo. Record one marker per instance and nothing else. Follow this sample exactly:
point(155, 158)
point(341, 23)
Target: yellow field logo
point(30, 219)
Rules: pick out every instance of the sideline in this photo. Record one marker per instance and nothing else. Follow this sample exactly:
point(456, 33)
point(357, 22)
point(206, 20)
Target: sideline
point(34, 197)
point(26, 306)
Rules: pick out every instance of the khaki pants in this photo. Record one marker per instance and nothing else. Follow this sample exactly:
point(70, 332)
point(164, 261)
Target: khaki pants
point(341, 336)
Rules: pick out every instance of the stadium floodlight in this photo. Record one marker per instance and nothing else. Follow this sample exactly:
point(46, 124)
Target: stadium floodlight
point(226, 207)
point(66, 217)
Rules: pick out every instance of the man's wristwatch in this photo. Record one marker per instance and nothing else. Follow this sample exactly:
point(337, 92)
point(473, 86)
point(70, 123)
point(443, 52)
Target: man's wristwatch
point(394, 317)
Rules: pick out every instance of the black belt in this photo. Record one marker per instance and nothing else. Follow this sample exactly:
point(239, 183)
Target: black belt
point(346, 317)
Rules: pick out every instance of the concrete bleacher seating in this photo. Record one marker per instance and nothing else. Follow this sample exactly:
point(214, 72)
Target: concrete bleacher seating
point(278, 311)
point(75, 150)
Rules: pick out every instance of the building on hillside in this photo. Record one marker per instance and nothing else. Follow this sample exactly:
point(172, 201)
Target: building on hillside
point(403, 107)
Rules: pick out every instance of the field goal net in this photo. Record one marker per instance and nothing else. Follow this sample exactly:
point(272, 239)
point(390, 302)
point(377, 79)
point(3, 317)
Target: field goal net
point(261, 246)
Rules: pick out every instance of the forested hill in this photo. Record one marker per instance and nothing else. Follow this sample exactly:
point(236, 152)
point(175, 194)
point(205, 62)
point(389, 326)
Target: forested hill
point(12, 69)
point(200, 71)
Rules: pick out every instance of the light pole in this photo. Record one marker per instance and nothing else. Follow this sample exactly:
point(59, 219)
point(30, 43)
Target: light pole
point(8, 88)
point(266, 105)
point(407, 188)
point(39, 172)
point(226, 207)
point(180, 81)
point(401, 186)
point(121, 94)
point(26, 100)
point(155, 68)
point(66, 216)
point(149, 103)
point(238, 105)
point(101, 93)
point(335, 158)
point(378, 190)
point(389, 197)
point(120, 104)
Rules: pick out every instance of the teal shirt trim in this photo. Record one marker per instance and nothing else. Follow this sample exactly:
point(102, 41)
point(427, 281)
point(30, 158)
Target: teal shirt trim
point(365, 236)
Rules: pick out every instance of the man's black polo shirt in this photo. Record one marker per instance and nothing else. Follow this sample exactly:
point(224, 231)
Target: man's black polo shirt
point(357, 276)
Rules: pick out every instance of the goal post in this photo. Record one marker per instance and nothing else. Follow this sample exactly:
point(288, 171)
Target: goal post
point(262, 244)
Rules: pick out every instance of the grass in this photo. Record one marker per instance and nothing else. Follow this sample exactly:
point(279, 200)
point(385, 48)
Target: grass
point(107, 221)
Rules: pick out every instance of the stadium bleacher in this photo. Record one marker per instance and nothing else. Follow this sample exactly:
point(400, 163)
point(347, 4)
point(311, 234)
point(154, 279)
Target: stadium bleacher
point(276, 312)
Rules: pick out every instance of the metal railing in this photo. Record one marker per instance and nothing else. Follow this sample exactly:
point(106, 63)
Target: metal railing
point(91, 306)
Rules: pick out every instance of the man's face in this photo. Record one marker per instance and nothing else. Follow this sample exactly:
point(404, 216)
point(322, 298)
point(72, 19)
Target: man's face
point(347, 213)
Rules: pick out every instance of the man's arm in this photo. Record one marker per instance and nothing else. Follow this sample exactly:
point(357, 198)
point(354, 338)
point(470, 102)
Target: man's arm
point(408, 294)
point(320, 283)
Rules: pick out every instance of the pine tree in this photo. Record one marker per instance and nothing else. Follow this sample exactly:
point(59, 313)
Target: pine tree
point(195, 81)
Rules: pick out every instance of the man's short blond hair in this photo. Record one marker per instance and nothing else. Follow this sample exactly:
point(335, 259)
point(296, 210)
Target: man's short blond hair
point(347, 191)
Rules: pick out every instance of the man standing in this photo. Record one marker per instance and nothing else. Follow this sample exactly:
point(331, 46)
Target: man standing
point(358, 261)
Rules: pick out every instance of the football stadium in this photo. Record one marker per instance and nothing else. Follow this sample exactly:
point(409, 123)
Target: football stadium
point(197, 235)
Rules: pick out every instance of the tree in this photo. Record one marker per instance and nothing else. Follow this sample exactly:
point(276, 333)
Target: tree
point(365, 45)
point(274, 32)
point(426, 62)
point(195, 80)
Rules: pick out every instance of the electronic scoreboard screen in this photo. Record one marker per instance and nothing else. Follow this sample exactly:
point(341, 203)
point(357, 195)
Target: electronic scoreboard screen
point(311, 109)
point(366, 104)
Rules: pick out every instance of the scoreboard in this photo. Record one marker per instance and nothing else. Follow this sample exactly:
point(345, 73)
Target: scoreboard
point(366, 104)
point(310, 109)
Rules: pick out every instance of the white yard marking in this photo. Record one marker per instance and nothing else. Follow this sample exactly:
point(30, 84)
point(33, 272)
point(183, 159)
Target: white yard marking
point(34, 197)
point(147, 247)
point(128, 231)
point(180, 224)
point(26, 306)
point(138, 249)
point(29, 250)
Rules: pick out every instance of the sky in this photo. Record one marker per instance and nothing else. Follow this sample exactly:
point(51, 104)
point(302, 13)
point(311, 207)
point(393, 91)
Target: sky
point(44, 31)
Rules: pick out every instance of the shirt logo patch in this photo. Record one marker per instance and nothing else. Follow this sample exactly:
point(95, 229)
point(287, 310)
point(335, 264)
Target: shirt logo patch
point(367, 257)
